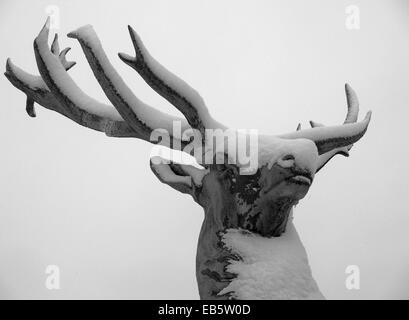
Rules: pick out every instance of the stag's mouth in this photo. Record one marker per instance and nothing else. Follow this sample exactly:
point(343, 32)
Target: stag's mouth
point(302, 178)
point(295, 177)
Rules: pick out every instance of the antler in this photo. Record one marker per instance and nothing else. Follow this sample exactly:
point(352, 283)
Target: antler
point(131, 117)
point(332, 138)
point(55, 90)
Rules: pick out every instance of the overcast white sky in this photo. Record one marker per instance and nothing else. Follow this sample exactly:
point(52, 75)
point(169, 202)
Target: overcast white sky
point(88, 203)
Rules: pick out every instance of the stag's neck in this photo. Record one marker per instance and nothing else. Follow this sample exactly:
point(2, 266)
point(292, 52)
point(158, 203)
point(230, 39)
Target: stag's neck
point(237, 264)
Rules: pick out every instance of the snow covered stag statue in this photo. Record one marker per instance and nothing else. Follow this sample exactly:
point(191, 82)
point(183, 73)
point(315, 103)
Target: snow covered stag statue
point(248, 247)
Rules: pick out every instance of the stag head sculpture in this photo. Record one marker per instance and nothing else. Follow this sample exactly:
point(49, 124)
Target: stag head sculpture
point(248, 246)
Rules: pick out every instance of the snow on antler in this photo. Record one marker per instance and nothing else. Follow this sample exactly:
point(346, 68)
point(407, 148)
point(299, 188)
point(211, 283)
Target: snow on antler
point(329, 138)
point(130, 117)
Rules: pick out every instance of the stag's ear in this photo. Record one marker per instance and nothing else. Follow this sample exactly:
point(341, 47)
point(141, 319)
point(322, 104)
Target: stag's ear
point(182, 177)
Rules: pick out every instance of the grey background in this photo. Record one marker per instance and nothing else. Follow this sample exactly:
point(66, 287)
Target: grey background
point(89, 204)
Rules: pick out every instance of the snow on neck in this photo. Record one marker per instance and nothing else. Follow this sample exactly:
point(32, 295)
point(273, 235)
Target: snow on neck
point(271, 268)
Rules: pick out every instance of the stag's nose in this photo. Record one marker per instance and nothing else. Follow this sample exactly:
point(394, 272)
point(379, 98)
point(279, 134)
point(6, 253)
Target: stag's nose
point(299, 154)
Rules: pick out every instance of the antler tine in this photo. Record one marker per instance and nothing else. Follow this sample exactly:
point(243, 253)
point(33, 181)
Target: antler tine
point(172, 88)
point(67, 64)
point(55, 47)
point(353, 105)
point(314, 124)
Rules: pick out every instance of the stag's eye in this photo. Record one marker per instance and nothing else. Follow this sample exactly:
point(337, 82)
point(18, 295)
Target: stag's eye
point(228, 171)
point(288, 157)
